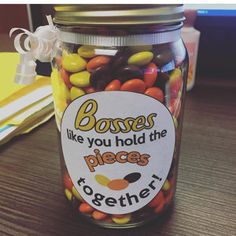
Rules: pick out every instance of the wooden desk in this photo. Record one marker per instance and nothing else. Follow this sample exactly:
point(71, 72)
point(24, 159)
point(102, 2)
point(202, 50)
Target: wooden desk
point(32, 200)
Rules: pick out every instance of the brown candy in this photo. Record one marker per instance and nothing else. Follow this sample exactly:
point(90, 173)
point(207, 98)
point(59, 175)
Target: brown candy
point(119, 61)
point(100, 77)
point(161, 81)
point(129, 72)
point(162, 55)
point(133, 177)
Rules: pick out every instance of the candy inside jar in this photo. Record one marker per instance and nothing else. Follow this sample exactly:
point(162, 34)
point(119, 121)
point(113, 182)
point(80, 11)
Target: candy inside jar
point(78, 72)
point(119, 90)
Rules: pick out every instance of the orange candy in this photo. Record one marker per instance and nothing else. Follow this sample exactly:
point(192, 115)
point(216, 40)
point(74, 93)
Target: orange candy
point(169, 197)
point(89, 90)
point(159, 208)
point(98, 215)
point(175, 83)
point(175, 107)
point(66, 78)
point(108, 220)
point(114, 85)
point(134, 85)
point(86, 208)
point(155, 93)
point(118, 215)
point(67, 182)
point(96, 62)
point(58, 61)
point(118, 184)
point(150, 75)
point(157, 200)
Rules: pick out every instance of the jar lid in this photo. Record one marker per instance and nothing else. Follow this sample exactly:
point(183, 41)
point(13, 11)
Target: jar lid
point(118, 14)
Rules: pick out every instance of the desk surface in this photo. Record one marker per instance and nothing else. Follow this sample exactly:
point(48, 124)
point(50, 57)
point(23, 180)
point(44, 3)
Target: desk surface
point(32, 200)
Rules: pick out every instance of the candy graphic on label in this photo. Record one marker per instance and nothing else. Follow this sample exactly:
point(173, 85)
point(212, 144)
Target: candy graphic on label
point(118, 148)
point(118, 184)
point(103, 180)
point(132, 177)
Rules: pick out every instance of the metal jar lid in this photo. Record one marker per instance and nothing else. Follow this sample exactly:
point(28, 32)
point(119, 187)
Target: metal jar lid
point(118, 14)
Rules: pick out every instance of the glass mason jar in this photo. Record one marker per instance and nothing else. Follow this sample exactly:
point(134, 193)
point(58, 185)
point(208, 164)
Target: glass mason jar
point(119, 79)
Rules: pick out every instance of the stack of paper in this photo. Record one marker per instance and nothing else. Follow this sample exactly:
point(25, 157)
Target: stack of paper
point(22, 107)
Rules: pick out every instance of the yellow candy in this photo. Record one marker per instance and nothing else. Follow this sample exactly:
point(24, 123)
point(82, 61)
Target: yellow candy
point(65, 53)
point(75, 93)
point(135, 49)
point(63, 91)
point(68, 194)
point(166, 185)
point(122, 220)
point(60, 91)
point(76, 194)
point(175, 75)
point(180, 93)
point(175, 122)
point(86, 51)
point(54, 80)
point(60, 105)
point(103, 180)
point(73, 62)
point(140, 58)
point(58, 117)
point(80, 79)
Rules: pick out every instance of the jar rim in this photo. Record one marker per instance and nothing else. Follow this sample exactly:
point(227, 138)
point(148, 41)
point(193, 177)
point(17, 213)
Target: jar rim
point(120, 41)
point(118, 14)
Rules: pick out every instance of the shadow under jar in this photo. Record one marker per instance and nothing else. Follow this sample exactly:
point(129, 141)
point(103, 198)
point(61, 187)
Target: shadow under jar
point(119, 79)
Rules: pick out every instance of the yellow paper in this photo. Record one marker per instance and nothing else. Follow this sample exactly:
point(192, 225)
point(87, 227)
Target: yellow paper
point(8, 62)
point(18, 118)
point(30, 123)
point(41, 81)
point(8, 87)
point(14, 107)
point(29, 115)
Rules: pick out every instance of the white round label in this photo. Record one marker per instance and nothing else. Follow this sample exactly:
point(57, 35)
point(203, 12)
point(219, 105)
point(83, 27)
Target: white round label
point(118, 149)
